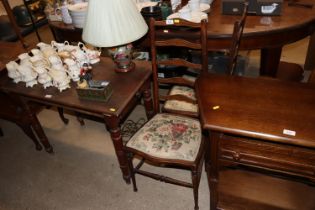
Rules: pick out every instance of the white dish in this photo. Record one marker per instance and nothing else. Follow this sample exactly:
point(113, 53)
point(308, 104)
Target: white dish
point(196, 16)
point(146, 4)
point(203, 7)
point(79, 7)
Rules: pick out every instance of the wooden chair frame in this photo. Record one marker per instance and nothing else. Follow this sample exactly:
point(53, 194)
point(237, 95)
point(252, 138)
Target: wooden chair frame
point(236, 40)
point(195, 166)
point(182, 42)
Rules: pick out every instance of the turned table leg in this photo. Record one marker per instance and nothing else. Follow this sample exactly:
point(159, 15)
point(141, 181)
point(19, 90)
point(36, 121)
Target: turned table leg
point(112, 123)
point(213, 170)
point(35, 124)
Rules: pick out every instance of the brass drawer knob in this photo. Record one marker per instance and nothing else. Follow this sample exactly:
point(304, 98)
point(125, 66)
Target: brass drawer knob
point(236, 156)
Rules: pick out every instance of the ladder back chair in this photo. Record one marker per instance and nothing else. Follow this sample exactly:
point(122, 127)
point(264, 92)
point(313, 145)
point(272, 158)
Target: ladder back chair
point(236, 41)
point(169, 140)
point(180, 99)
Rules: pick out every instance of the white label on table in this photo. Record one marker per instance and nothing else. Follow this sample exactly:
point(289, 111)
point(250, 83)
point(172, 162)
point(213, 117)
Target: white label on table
point(48, 96)
point(169, 22)
point(161, 75)
point(289, 132)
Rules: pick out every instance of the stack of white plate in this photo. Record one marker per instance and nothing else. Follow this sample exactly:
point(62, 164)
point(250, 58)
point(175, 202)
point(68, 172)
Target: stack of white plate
point(78, 12)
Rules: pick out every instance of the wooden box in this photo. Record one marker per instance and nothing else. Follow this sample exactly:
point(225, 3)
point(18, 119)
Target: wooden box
point(95, 94)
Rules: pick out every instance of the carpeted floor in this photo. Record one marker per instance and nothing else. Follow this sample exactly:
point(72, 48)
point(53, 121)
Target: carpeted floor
point(84, 174)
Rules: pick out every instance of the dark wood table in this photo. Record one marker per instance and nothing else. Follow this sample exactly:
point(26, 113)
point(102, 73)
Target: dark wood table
point(128, 89)
point(12, 108)
point(261, 123)
point(65, 32)
point(9, 51)
point(268, 33)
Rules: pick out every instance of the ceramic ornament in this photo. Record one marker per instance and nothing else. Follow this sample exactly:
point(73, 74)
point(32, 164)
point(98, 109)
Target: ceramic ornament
point(79, 56)
point(58, 73)
point(93, 55)
point(39, 66)
point(13, 73)
point(46, 49)
point(69, 47)
point(25, 59)
point(73, 69)
point(28, 75)
point(55, 61)
point(37, 52)
point(43, 77)
point(58, 46)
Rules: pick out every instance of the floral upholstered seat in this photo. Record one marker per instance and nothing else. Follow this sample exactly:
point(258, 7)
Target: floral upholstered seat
point(182, 105)
point(168, 136)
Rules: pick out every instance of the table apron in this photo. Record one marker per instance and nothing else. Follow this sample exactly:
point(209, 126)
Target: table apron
point(279, 157)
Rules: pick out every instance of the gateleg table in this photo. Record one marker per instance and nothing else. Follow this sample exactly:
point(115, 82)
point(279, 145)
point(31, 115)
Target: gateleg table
point(128, 89)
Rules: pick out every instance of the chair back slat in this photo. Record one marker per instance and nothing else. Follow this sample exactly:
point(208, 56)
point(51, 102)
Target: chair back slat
point(178, 97)
point(177, 81)
point(180, 62)
point(178, 43)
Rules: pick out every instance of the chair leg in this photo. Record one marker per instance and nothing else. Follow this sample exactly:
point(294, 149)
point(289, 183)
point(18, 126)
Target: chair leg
point(80, 118)
point(61, 115)
point(1, 132)
point(207, 155)
point(132, 172)
point(195, 181)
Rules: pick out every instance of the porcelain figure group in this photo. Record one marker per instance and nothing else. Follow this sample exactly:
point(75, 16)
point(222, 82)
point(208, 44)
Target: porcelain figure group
point(54, 64)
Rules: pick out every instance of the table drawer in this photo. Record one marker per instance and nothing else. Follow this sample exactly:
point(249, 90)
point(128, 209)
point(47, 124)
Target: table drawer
point(268, 155)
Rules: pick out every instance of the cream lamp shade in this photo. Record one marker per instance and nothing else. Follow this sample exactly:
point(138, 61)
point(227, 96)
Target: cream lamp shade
point(112, 23)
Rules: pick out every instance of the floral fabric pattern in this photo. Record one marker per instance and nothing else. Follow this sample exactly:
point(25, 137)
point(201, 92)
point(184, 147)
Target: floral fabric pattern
point(182, 105)
point(168, 136)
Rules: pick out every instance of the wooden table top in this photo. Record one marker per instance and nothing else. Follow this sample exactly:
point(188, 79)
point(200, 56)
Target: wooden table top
point(258, 108)
point(260, 32)
point(125, 87)
point(9, 51)
point(293, 24)
point(291, 16)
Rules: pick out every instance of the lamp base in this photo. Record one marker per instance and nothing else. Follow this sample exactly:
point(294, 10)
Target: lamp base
point(124, 70)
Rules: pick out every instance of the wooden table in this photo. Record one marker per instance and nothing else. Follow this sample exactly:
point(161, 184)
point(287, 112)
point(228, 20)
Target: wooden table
point(10, 108)
point(9, 51)
point(128, 89)
point(268, 33)
point(65, 32)
point(261, 123)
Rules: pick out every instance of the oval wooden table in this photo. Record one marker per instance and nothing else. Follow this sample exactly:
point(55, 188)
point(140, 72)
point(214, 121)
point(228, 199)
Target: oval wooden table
point(268, 33)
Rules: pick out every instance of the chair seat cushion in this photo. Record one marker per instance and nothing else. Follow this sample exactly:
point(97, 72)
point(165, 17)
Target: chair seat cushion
point(168, 136)
point(182, 105)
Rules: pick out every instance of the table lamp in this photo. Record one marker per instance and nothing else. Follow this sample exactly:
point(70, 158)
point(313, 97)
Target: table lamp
point(114, 24)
